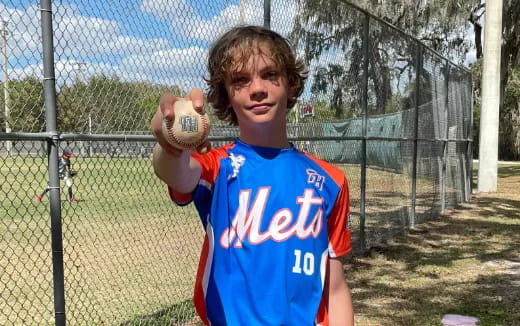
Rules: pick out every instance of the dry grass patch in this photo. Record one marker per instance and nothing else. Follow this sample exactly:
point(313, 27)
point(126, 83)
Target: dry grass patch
point(467, 262)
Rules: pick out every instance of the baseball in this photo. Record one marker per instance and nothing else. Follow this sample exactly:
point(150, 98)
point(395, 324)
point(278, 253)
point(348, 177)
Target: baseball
point(189, 128)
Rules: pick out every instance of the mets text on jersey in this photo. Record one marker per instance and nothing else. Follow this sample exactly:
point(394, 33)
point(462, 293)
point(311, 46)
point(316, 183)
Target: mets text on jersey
point(247, 221)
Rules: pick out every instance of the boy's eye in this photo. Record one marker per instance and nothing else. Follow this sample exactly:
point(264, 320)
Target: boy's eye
point(271, 74)
point(239, 80)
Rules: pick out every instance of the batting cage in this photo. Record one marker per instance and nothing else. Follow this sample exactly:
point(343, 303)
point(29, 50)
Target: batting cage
point(92, 238)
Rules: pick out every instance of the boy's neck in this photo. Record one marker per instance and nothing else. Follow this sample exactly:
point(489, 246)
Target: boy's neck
point(259, 135)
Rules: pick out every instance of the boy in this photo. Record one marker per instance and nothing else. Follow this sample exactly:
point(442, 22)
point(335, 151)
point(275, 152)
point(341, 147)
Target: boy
point(275, 217)
point(65, 174)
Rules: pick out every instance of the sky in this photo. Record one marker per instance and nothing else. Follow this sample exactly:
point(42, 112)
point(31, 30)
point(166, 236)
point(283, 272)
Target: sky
point(158, 41)
point(155, 41)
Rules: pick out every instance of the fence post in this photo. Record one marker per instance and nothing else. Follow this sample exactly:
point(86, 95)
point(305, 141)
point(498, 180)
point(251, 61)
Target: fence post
point(363, 181)
point(49, 84)
point(267, 14)
point(470, 141)
point(446, 139)
point(418, 68)
point(7, 98)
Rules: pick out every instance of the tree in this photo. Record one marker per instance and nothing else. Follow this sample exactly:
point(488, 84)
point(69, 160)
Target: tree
point(509, 117)
point(509, 134)
point(333, 31)
point(27, 112)
point(318, 35)
point(442, 25)
point(106, 104)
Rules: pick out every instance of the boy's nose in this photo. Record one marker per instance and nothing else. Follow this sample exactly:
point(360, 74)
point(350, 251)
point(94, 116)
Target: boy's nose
point(257, 89)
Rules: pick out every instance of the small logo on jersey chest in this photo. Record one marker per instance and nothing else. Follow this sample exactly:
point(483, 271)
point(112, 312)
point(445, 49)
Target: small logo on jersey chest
point(236, 163)
point(315, 179)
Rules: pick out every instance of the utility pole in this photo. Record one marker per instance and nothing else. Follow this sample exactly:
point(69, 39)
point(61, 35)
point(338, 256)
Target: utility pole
point(7, 109)
point(489, 118)
point(78, 68)
point(267, 14)
point(242, 5)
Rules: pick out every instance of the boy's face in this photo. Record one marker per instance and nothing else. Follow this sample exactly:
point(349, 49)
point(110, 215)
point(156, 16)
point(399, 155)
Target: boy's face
point(257, 90)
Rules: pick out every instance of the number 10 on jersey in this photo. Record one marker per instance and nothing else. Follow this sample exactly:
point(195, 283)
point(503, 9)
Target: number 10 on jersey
point(303, 264)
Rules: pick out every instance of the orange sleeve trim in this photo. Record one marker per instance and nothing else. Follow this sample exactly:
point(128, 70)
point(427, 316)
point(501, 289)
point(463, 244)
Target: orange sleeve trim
point(340, 236)
point(210, 162)
point(178, 197)
point(322, 318)
point(198, 292)
point(336, 174)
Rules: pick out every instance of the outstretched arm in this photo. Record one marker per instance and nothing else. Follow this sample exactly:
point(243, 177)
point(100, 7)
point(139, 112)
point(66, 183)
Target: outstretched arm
point(341, 311)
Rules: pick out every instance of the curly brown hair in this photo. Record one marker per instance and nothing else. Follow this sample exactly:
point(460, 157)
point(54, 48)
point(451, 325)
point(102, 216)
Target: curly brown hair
point(233, 49)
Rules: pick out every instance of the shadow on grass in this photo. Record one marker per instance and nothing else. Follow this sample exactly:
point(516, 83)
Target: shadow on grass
point(496, 207)
point(445, 268)
point(179, 314)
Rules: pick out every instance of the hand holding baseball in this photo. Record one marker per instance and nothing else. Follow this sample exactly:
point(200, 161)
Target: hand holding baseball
point(181, 124)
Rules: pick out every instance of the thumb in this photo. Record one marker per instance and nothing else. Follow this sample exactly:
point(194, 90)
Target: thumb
point(204, 147)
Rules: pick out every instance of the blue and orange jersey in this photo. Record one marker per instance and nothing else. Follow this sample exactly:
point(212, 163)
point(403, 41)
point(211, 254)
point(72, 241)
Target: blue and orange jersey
point(273, 218)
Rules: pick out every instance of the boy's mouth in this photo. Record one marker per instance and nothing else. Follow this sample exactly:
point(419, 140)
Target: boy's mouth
point(260, 107)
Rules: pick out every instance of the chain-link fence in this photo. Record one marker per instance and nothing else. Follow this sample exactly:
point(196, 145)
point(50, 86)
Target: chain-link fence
point(87, 75)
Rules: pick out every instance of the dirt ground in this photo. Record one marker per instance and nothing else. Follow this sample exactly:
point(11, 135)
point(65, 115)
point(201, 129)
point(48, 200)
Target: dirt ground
point(466, 263)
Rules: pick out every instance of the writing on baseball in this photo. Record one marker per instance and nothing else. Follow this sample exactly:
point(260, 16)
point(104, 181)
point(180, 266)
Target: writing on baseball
point(188, 129)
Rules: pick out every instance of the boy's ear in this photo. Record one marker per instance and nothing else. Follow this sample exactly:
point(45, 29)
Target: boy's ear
point(228, 106)
point(291, 92)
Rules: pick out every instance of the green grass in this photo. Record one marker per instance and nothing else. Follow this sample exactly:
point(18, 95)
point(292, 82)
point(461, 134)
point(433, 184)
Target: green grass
point(127, 250)
point(130, 256)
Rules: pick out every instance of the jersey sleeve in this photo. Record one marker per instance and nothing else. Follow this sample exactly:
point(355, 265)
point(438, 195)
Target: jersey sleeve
point(210, 163)
point(337, 224)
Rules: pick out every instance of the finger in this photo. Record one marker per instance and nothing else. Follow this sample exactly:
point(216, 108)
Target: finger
point(204, 148)
point(197, 97)
point(156, 123)
point(166, 105)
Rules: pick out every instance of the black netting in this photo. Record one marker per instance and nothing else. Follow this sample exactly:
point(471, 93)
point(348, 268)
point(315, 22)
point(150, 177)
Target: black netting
point(429, 180)
point(432, 98)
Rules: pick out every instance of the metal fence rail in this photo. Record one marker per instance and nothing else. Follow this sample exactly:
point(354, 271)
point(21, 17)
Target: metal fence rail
point(394, 115)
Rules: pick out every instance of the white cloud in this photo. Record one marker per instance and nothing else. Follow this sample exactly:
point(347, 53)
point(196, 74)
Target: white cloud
point(174, 9)
point(209, 29)
point(184, 20)
point(97, 44)
point(78, 35)
point(29, 70)
point(87, 45)
point(282, 16)
point(175, 66)
point(23, 28)
point(184, 67)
